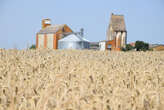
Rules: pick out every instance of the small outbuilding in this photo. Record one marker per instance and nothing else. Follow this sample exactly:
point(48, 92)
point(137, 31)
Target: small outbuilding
point(102, 45)
point(73, 41)
point(109, 45)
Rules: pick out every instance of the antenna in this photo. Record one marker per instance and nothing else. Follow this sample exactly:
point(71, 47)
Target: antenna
point(82, 32)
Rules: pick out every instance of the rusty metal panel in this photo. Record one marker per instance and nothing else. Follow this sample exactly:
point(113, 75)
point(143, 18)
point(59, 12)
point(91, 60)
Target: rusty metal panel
point(50, 41)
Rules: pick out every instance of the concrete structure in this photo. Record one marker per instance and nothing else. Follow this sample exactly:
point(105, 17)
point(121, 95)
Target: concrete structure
point(116, 32)
point(73, 41)
point(49, 35)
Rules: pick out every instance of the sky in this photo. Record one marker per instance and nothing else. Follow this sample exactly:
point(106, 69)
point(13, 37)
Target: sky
point(20, 20)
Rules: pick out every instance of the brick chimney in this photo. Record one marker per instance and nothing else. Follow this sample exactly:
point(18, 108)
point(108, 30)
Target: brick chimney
point(45, 23)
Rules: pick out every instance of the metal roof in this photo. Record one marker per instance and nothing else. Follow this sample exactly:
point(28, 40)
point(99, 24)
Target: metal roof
point(51, 29)
point(117, 23)
point(73, 38)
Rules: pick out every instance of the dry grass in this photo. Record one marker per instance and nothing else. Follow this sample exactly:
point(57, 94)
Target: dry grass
point(81, 80)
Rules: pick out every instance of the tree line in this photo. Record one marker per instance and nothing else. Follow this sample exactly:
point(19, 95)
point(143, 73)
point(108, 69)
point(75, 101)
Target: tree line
point(139, 46)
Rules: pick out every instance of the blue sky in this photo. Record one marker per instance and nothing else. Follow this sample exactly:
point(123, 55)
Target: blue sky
point(20, 20)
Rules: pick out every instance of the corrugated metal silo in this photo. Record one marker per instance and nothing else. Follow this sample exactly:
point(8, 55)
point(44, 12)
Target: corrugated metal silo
point(73, 42)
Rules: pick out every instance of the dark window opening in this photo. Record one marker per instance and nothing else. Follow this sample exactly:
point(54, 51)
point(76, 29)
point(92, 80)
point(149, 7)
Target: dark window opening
point(109, 47)
point(63, 30)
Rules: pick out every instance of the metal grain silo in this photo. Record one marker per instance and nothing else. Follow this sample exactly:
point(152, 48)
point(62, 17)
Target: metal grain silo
point(73, 42)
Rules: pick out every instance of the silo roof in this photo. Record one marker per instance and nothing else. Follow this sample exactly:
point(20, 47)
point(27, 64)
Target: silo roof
point(73, 38)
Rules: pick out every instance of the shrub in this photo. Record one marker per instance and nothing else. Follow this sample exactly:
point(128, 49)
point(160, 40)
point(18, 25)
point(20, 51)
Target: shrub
point(141, 46)
point(127, 48)
point(33, 46)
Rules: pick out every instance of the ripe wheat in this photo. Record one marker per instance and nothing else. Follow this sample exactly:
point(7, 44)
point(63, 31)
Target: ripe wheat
point(81, 80)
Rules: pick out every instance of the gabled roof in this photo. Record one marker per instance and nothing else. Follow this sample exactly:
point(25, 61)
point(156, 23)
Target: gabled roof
point(117, 23)
point(51, 29)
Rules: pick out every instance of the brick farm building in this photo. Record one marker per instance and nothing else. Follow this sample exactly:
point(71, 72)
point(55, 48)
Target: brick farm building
point(49, 35)
point(116, 34)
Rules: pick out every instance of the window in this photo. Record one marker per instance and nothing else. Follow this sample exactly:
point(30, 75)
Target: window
point(109, 47)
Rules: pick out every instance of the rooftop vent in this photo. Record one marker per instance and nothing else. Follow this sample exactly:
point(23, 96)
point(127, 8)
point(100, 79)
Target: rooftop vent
point(45, 23)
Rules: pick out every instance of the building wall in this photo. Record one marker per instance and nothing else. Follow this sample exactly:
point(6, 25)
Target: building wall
point(73, 45)
point(123, 40)
point(50, 41)
point(114, 44)
point(110, 34)
point(118, 40)
point(45, 40)
point(40, 40)
point(102, 45)
point(55, 41)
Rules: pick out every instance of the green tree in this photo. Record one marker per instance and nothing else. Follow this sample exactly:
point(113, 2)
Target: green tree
point(141, 46)
point(33, 46)
point(128, 48)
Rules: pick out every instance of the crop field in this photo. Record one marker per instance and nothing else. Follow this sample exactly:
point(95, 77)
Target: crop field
point(81, 80)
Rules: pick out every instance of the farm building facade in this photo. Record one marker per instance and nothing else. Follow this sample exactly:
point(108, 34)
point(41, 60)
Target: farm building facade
point(49, 35)
point(116, 34)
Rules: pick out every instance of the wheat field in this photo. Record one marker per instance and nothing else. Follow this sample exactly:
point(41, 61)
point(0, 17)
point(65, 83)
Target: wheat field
point(81, 80)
